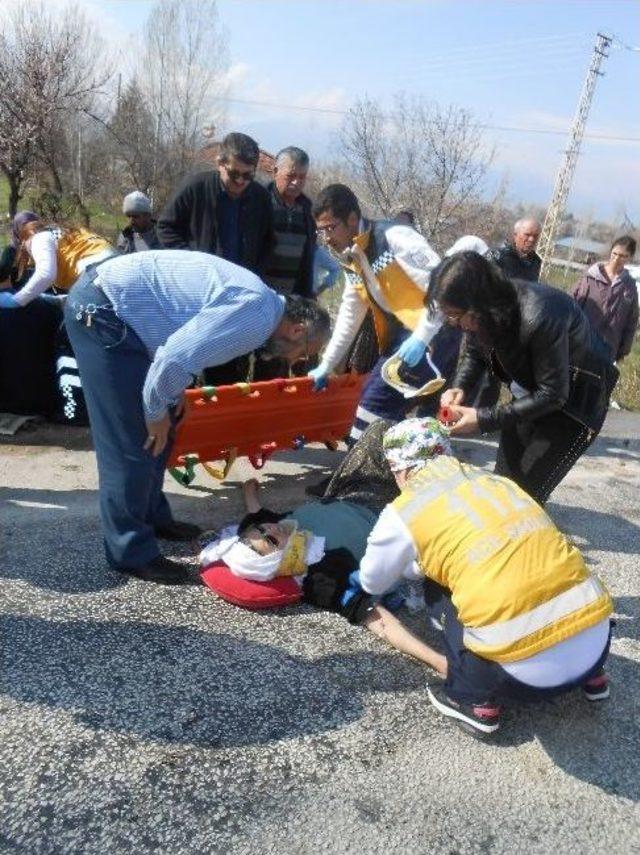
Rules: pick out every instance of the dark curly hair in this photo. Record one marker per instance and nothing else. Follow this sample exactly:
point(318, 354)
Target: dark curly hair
point(470, 283)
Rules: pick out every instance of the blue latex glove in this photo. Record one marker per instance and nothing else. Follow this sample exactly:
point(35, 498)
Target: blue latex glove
point(392, 600)
point(354, 588)
point(320, 378)
point(8, 301)
point(411, 351)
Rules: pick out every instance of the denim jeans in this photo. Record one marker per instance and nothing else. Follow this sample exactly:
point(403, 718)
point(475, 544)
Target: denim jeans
point(381, 401)
point(113, 365)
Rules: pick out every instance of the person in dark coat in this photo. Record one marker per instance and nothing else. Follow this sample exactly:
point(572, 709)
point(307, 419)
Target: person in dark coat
point(518, 258)
point(538, 340)
point(140, 234)
point(291, 268)
point(224, 212)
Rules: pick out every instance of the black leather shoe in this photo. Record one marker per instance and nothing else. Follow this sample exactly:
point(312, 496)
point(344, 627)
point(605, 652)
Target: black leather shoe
point(176, 530)
point(162, 571)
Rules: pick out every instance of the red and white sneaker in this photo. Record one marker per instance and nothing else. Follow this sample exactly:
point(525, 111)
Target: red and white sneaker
point(596, 688)
point(480, 719)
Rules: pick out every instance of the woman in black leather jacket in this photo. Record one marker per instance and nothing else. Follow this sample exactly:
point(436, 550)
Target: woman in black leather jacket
point(535, 338)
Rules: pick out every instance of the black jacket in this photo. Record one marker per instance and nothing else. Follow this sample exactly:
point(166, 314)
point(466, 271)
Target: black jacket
point(303, 284)
point(514, 265)
point(127, 241)
point(554, 354)
point(189, 220)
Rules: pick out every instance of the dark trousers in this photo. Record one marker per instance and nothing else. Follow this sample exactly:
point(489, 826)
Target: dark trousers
point(381, 401)
point(474, 680)
point(538, 454)
point(113, 365)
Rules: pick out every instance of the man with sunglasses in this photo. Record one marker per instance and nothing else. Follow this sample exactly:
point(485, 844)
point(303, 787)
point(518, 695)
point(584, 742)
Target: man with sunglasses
point(224, 211)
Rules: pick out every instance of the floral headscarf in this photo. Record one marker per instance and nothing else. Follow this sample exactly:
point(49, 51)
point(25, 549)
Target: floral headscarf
point(411, 444)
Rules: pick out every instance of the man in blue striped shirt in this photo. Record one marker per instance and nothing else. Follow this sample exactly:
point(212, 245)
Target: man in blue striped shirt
point(142, 326)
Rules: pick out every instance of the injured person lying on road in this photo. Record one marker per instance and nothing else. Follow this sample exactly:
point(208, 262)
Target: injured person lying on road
point(312, 553)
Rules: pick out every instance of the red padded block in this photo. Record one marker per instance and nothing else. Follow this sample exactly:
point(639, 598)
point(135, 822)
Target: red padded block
point(282, 591)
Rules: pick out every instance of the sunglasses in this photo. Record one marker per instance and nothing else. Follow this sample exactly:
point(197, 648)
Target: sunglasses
point(236, 175)
point(270, 538)
point(262, 531)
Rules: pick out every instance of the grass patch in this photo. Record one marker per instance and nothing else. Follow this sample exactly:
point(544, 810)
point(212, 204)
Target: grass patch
point(627, 392)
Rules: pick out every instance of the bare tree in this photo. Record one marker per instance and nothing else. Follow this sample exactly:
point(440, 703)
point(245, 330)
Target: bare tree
point(183, 66)
point(420, 156)
point(323, 173)
point(17, 131)
point(131, 129)
point(369, 143)
point(51, 71)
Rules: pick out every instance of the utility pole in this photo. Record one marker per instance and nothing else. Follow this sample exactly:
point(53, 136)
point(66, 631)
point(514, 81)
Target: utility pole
point(565, 173)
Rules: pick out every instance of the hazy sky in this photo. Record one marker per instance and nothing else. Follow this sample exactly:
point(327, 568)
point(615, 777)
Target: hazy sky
point(516, 64)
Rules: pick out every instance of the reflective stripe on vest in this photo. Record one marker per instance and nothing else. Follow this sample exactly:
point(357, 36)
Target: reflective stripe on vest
point(519, 586)
point(398, 293)
point(509, 631)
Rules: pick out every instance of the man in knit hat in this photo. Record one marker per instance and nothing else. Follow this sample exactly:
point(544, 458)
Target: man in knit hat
point(140, 234)
point(523, 617)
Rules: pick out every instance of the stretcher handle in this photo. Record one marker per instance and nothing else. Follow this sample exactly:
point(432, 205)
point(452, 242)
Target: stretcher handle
point(259, 458)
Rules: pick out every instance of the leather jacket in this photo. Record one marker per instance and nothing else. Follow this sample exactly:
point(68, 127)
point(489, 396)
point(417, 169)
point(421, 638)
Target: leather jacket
point(514, 265)
point(554, 355)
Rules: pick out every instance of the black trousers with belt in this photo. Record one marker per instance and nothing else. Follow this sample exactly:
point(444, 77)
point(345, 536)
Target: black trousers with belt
point(538, 454)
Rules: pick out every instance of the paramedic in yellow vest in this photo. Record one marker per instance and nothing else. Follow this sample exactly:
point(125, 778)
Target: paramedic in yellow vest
point(387, 268)
point(523, 618)
point(59, 256)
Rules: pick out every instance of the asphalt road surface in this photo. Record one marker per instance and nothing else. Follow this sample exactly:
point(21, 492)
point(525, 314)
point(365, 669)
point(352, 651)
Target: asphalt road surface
point(138, 718)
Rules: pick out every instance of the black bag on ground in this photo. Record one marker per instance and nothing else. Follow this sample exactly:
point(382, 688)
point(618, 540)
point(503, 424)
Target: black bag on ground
point(27, 359)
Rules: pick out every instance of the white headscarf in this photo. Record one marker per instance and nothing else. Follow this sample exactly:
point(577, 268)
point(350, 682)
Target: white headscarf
point(247, 564)
point(468, 243)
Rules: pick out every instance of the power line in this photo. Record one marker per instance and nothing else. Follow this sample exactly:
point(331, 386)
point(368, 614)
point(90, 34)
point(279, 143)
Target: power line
point(619, 44)
point(512, 45)
point(334, 112)
point(485, 70)
point(447, 62)
point(606, 137)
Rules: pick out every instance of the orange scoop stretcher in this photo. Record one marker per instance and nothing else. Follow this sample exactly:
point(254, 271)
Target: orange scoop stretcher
point(255, 419)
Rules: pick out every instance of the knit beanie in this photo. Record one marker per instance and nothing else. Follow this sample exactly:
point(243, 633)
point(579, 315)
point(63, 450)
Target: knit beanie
point(136, 203)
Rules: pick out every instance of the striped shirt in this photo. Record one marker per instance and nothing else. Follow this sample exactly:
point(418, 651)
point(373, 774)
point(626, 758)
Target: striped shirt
point(191, 310)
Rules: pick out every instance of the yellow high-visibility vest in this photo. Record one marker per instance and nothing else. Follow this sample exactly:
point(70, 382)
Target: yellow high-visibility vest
point(518, 584)
point(73, 246)
point(403, 297)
